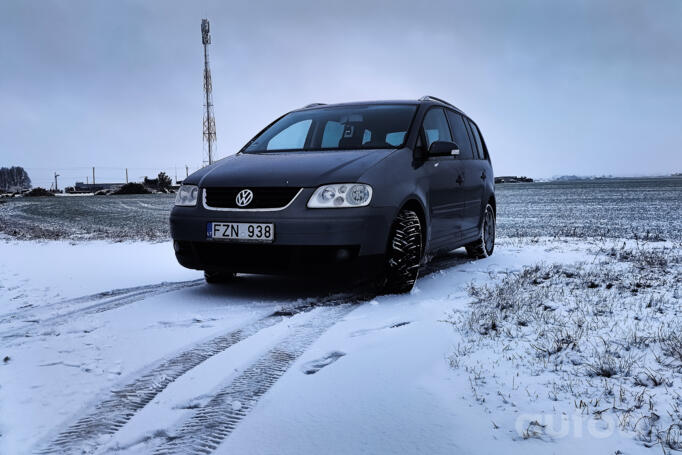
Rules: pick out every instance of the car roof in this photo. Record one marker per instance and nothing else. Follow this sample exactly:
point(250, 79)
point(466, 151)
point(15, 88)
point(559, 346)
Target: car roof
point(426, 100)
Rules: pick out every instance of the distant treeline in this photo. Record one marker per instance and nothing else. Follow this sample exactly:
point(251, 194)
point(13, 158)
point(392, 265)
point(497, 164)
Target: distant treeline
point(513, 179)
point(14, 178)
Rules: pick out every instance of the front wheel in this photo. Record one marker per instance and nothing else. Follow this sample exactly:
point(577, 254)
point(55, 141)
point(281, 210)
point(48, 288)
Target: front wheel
point(484, 246)
point(403, 254)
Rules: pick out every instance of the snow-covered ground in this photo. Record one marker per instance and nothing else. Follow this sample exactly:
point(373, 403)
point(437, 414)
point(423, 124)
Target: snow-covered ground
point(114, 348)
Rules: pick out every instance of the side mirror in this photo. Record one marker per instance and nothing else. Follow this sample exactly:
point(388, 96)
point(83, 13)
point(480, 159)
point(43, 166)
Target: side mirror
point(444, 148)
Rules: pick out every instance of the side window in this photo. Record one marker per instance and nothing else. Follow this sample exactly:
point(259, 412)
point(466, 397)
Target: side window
point(459, 133)
point(291, 138)
point(477, 140)
point(436, 127)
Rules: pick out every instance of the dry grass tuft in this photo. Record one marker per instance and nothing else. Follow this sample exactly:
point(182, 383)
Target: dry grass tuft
point(614, 321)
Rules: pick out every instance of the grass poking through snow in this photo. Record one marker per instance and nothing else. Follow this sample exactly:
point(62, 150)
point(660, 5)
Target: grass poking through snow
point(599, 337)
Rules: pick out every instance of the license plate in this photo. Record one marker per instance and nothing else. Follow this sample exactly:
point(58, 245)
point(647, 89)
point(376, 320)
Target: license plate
point(248, 232)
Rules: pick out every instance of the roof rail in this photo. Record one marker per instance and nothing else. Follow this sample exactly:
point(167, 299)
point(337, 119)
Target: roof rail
point(314, 104)
point(433, 98)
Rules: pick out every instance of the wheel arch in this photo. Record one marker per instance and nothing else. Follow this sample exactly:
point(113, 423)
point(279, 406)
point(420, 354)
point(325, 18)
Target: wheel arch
point(414, 204)
point(490, 199)
point(493, 203)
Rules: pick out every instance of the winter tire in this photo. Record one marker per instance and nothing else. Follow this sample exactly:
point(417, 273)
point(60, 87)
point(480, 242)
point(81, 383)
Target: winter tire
point(403, 254)
point(484, 246)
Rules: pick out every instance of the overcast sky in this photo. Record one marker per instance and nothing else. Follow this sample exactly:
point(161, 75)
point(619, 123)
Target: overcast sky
point(582, 87)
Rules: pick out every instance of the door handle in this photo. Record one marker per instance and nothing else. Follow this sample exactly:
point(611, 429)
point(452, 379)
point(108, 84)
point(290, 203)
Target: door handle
point(483, 176)
point(459, 180)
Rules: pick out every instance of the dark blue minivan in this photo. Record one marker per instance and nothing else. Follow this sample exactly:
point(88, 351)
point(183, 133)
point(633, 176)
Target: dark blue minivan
point(371, 189)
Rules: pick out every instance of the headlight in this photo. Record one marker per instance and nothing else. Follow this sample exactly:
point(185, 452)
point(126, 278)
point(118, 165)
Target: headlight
point(187, 195)
point(341, 195)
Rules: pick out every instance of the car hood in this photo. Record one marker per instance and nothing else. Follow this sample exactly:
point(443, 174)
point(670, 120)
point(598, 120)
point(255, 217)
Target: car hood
point(297, 169)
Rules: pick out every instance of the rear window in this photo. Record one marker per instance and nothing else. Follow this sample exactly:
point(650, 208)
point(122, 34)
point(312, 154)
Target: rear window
point(337, 128)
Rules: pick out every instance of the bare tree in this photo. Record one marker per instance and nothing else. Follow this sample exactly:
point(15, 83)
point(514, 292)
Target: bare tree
point(165, 181)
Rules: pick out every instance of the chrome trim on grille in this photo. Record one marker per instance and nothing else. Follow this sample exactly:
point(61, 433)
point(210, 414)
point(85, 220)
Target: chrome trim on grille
point(227, 209)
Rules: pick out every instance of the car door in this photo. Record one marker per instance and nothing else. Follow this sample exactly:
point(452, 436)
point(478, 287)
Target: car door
point(481, 171)
point(445, 179)
point(470, 188)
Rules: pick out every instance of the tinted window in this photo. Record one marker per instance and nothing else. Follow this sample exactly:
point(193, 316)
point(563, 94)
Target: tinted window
point(477, 140)
point(364, 126)
point(459, 134)
point(436, 127)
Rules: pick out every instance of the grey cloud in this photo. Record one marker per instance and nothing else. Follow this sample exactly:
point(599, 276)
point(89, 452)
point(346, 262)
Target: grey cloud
point(584, 87)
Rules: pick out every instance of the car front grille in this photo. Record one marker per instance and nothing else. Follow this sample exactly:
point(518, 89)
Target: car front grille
point(263, 197)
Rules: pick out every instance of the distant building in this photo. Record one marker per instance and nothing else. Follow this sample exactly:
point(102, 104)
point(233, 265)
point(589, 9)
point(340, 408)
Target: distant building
point(81, 187)
point(512, 179)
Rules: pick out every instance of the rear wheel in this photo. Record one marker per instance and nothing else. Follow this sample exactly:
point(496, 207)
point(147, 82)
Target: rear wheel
point(403, 255)
point(213, 277)
point(484, 246)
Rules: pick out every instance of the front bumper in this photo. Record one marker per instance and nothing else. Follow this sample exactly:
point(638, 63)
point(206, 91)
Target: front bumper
point(306, 240)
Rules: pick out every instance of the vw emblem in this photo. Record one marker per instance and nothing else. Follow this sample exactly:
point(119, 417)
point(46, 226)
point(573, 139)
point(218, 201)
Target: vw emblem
point(244, 198)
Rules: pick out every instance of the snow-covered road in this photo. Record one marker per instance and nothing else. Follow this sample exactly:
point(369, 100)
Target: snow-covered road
point(113, 347)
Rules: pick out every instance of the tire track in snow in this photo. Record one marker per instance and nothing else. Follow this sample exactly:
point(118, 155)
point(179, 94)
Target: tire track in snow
point(7, 317)
point(108, 416)
point(210, 425)
point(120, 299)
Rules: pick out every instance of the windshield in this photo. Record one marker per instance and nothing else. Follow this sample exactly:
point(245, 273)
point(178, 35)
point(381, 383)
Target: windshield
point(337, 128)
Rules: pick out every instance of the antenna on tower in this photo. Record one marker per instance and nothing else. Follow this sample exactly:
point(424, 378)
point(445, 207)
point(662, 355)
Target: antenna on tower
point(209, 119)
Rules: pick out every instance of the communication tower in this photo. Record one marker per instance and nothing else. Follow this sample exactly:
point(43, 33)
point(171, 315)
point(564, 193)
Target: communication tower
point(209, 119)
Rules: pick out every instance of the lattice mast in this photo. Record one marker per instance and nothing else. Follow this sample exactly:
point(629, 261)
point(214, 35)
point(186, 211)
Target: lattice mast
point(209, 119)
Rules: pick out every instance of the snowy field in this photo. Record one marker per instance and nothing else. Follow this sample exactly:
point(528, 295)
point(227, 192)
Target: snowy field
point(549, 346)
point(613, 208)
point(555, 344)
